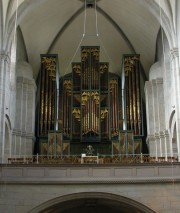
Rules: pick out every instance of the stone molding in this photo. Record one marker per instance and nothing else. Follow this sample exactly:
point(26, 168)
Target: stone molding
point(25, 80)
point(148, 85)
point(153, 82)
point(18, 132)
point(160, 134)
point(156, 81)
point(156, 135)
point(150, 138)
point(159, 80)
point(91, 174)
point(166, 133)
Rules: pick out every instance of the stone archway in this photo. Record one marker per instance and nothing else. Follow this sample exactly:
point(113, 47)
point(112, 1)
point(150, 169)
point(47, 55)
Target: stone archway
point(92, 202)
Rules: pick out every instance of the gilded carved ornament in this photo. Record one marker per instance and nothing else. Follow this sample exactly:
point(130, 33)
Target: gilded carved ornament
point(103, 68)
point(104, 113)
point(50, 65)
point(76, 112)
point(85, 97)
point(95, 96)
point(95, 52)
point(129, 64)
point(67, 84)
point(113, 83)
point(77, 68)
point(84, 54)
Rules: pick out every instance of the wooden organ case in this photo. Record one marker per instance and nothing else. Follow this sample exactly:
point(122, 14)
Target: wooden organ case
point(94, 107)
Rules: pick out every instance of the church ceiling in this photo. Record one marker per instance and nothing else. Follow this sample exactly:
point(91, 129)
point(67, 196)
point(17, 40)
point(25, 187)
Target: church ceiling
point(57, 27)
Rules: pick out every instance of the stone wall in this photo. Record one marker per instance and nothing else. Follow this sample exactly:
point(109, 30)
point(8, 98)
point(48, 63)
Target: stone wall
point(24, 188)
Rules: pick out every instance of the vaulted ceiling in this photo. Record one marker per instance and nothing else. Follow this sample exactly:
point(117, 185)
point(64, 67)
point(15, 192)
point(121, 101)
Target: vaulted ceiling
point(62, 26)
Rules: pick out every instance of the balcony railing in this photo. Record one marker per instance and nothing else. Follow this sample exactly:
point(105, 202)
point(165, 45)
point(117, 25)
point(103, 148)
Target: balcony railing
point(93, 159)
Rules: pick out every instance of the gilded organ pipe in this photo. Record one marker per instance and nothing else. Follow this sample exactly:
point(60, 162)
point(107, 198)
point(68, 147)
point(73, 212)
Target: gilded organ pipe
point(50, 105)
point(46, 103)
point(115, 112)
point(47, 95)
point(138, 100)
point(133, 95)
point(42, 103)
point(64, 109)
point(113, 109)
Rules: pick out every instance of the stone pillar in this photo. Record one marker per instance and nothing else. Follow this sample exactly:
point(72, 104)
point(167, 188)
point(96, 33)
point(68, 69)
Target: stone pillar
point(161, 117)
point(4, 65)
point(155, 106)
point(23, 135)
point(160, 104)
point(155, 117)
point(168, 144)
point(163, 145)
point(23, 131)
point(151, 145)
point(150, 119)
point(149, 107)
point(158, 145)
point(176, 72)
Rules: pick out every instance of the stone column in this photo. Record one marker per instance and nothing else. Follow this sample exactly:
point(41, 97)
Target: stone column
point(149, 107)
point(150, 118)
point(158, 145)
point(4, 65)
point(161, 116)
point(155, 106)
point(163, 145)
point(151, 145)
point(23, 135)
point(155, 117)
point(160, 103)
point(168, 144)
point(176, 72)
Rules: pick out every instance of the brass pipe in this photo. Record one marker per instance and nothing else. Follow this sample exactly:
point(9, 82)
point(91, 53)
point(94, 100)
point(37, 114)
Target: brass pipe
point(138, 98)
point(134, 102)
point(42, 101)
point(46, 101)
point(50, 104)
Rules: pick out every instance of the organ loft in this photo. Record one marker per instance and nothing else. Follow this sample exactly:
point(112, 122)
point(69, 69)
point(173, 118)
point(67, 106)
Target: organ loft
point(90, 106)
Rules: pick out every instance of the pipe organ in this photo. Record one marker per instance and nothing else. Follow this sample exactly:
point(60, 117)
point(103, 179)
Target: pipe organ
point(94, 106)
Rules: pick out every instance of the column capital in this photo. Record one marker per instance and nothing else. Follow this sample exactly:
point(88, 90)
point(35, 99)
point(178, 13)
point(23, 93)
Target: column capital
point(166, 133)
point(156, 135)
point(150, 139)
point(159, 80)
point(5, 56)
point(148, 84)
point(174, 53)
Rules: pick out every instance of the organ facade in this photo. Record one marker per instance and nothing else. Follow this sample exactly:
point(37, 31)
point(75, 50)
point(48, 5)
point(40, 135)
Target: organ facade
point(90, 106)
